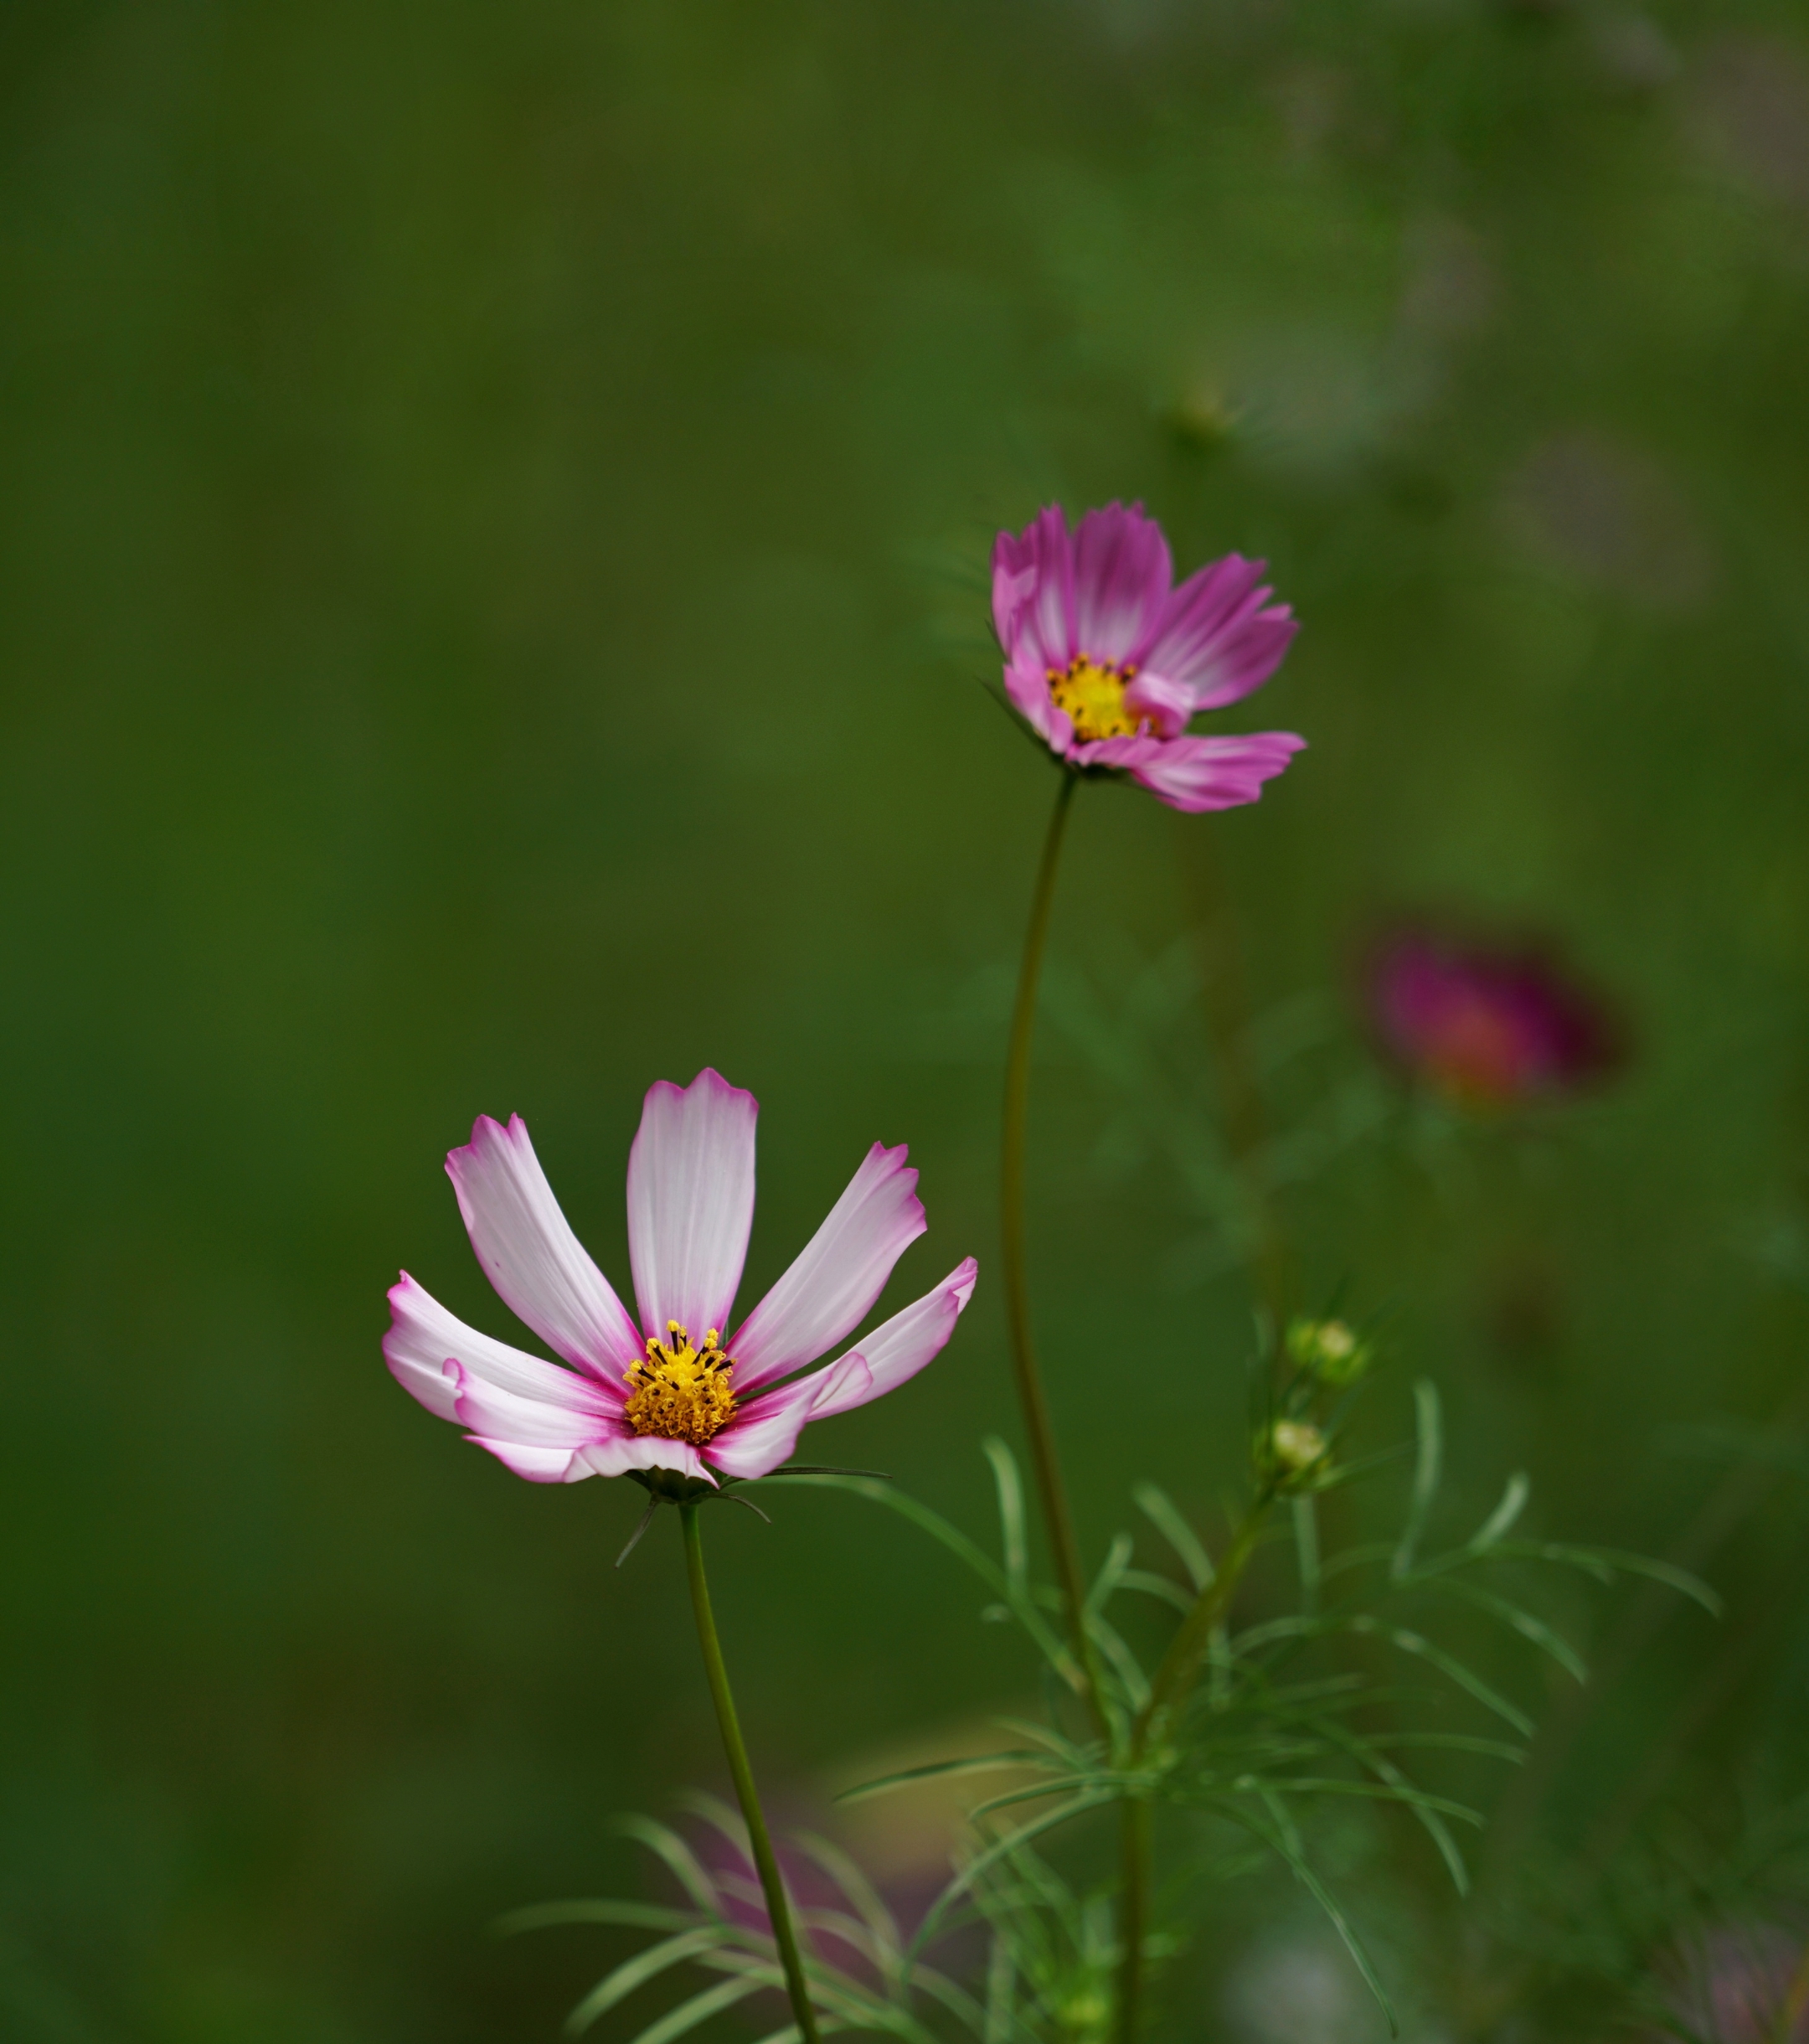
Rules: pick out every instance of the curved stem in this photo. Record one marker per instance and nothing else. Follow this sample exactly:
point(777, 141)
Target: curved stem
point(1051, 1492)
point(772, 1887)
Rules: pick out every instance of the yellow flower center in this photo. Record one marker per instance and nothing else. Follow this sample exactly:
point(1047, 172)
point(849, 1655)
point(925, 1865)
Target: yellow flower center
point(1093, 696)
point(679, 1392)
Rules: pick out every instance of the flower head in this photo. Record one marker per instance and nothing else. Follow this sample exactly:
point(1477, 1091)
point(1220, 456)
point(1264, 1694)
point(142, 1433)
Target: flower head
point(666, 1393)
point(1109, 664)
point(1487, 1027)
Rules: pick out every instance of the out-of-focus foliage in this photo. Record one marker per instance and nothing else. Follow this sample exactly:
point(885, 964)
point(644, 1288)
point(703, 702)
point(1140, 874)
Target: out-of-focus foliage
point(1297, 1709)
point(492, 543)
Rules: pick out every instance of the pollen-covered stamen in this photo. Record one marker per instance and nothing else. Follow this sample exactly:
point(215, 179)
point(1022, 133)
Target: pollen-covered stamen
point(1092, 693)
point(679, 1392)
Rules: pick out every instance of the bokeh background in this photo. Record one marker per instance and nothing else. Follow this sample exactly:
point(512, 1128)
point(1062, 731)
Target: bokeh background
point(495, 506)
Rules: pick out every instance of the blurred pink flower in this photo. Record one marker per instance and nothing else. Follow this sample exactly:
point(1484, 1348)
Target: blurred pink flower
point(1109, 664)
point(673, 1396)
point(1745, 1985)
point(1487, 1027)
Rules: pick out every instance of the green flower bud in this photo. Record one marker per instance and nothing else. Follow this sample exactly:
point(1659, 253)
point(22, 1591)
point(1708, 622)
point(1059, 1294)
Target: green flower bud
point(1330, 1350)
point(1296, 1447)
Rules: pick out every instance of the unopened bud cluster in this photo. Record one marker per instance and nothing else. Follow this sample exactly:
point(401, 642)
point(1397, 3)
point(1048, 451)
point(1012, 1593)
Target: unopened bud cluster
point(1293, 1450)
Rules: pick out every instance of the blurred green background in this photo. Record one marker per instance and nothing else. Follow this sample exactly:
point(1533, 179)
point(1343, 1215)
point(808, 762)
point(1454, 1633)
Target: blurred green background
point(495, 505)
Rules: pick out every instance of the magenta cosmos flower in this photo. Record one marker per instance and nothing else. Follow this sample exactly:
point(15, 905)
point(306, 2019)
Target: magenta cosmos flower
point(1109, 664)
point(1487, 1026)
point(667, 1393)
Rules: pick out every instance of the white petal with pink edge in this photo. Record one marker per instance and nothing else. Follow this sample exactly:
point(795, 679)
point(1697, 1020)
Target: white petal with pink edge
point(528, 1252)
point(537, 1465)
point(841, 1270)
point(646, 1451)
point(500, 1415)
point(898, 1349)
point(691, 1202)
point(613, 1458)
point(763, 1434)
point(423, 1338)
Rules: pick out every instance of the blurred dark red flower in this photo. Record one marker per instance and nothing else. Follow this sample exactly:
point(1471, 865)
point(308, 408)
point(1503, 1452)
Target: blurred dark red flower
point(1487, 1025)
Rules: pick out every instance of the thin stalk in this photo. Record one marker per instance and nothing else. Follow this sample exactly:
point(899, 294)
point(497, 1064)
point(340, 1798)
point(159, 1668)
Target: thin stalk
point(1168, 1693)
point(1180, 1667)
point(1051, 1492)
point(1136, 1822)
point(778, 1908)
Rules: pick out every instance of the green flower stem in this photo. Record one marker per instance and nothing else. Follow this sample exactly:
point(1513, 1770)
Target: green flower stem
point(778, 1908)
point(1181, 1664)
point(1135, 1821)
point(1168, 1693)
point(1051, 1492)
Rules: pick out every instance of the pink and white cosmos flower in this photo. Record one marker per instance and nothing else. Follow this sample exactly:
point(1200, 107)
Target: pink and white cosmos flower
point(666, 1393)
point(1109, 664)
